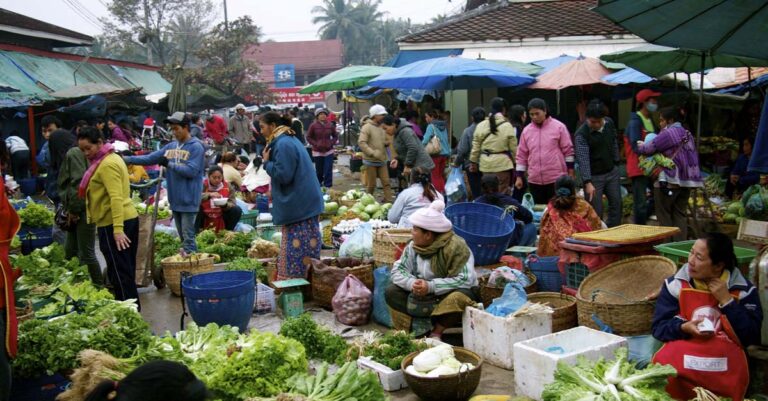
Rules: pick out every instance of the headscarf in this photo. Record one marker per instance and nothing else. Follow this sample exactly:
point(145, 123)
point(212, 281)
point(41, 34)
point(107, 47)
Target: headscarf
point(59, 143)
point(94, 161)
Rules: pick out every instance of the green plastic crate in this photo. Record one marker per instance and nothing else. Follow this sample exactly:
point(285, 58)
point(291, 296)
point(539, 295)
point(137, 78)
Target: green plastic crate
point(575, 273)
point(679, 251)
point(250, 217)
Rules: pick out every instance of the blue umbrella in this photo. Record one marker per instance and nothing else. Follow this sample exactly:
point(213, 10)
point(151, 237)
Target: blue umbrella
point(759, 160)
point(451, 73)
point(552, 63)
point(627, 76)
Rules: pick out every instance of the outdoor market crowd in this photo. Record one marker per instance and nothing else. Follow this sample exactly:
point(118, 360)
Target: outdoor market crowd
point(503, 154)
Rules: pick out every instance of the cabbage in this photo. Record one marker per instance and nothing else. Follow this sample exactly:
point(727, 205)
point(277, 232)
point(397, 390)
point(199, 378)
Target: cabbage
point(367, 199)
point(331, 207)
point(364, 216)
point(342, 210)
point(428, 360)
point(277, 237)
point(372, 209)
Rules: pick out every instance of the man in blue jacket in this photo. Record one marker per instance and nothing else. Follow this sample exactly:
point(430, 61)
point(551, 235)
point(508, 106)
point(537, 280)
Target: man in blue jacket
point(184, 164)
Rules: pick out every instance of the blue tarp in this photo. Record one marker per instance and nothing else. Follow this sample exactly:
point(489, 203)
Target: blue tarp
point(627, 76)
point(552, 63)
point(405, 57)
point(746, 86)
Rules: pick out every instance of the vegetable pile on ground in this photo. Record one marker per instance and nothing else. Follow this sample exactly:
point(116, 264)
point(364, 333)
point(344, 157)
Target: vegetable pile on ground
point(658, 160)
point(436, 362)
point(366, 207)
point(713, 144)
point(36, 215)
point(227, 244)
point(319, 342)
point(165, 245)
point(163, 211)
point(251, 265)
point(617, 380)
point(261, 249)
point(392, 348)
point(755, 201)
point(714, 185)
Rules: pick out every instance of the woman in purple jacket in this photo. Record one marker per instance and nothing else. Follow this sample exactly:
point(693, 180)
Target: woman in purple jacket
point(673, 187)
point(322, 137)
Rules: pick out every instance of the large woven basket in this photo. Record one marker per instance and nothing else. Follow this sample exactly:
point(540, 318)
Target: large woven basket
point(488, 294)
point(457, 387)
point(623, 294)
point(326, 281)
point(628, 234)
point(387, 242)
point(564, 316)
point(196, 264)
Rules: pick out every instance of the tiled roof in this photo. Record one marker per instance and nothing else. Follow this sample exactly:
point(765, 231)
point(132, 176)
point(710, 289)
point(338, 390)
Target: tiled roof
point(514, 20)
point(12, 19)
point(313, 56)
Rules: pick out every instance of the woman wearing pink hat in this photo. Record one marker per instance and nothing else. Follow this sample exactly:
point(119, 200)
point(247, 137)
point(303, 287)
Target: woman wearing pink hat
point(435, 279)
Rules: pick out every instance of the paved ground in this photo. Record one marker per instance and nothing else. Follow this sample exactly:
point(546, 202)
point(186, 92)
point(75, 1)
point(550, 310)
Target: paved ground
point(163, 312)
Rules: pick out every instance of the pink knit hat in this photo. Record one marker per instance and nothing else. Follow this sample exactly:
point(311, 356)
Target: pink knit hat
point(432, 218)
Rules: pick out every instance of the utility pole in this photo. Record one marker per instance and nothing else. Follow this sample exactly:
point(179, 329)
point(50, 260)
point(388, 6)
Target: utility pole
point(226, 20)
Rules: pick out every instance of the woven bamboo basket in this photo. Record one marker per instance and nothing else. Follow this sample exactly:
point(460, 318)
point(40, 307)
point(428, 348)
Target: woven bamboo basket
point(198, 263)
point(325, 282)
point(564, 316)
point(387, 242)
point(400, 321)
point(488, 294)
point(457, 387)
point(347, 203)
point(623, 294)
point(628, 234)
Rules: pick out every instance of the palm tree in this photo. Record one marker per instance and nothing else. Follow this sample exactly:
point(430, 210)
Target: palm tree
point(355, 23)
point(339, 19)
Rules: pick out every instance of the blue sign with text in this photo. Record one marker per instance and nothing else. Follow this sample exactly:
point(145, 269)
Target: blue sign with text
point(285, 76)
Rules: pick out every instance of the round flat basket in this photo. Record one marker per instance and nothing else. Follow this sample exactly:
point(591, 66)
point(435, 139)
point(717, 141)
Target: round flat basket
point(623, 294)
point(387, 242)
point(488, 294)
point(196, 264)
point(457, 387)
point(564, 316)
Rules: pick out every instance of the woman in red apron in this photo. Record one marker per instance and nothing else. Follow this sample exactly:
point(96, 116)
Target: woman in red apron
point(218, 217)
point(8, 275)
point(706, 315)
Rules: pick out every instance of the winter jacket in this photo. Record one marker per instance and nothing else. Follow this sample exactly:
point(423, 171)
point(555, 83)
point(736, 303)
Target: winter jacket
point(686, 172)
point(409, 151)
point(465, 147)
point(408, 201)
point(545, 152)
point(596, 151)
point(186, 167)
point(216, 129)
point(373, 141)
point(439, 128)
point(296, 194)
point(494, 152)
point(108, 197)
point(240, 129)
point(322, 136)
point(119, 135)
point(70, 174)
point(635, 132)
point(745, 314)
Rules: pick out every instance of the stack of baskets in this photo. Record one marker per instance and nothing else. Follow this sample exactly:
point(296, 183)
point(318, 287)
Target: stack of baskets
point(564, 316)
point(486, 229)
point(195, 264)
point(387, 243)
point(623, 295)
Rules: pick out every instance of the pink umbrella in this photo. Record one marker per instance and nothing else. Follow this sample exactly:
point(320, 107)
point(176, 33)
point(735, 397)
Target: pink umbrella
point(582, 71)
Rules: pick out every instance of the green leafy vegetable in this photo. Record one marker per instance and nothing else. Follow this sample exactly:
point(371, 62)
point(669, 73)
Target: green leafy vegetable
point(347, 384)
point(165, 245)
point(228, 245)
point(36, 215)
point(392, 348)
point(319, 342)
point(251, 265)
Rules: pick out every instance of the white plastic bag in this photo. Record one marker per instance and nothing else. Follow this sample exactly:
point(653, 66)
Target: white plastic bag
point(352, 302)
point(359, 244)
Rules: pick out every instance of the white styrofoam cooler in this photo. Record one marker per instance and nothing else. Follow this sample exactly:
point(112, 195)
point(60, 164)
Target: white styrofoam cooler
point(391, 380)
point(535, 367)
point(492, 337)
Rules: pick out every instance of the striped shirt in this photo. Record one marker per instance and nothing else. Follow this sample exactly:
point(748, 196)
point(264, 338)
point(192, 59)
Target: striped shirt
point(412, 267)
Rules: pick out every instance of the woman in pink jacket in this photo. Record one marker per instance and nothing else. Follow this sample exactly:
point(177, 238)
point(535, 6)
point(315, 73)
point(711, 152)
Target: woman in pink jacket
point(545, 152)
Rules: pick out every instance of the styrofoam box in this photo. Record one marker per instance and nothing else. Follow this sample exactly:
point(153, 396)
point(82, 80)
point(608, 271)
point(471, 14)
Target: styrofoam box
point(535, 367)
point(492, 337)
point(391, 380)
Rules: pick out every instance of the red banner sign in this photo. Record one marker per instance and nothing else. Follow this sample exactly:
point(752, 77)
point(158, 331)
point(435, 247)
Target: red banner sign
point(292, 96)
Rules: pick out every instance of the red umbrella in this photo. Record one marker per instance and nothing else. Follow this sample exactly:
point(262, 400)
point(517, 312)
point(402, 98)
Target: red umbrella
point(581, 71)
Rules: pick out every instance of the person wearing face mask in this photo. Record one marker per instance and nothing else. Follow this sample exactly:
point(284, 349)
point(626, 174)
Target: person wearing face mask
point(598, 155)
point(707, 314)
point(184, 160)
point(545, 152)
point(640, 125)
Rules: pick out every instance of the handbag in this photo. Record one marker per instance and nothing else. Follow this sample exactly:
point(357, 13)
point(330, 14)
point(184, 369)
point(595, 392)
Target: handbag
point(61, 219)
point(434, 147)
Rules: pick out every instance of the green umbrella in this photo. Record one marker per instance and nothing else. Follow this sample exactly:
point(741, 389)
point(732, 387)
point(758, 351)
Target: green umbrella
point(655, 60)
point(736, 27)
point(351, 77)
point(525, 68)
point(177, 98)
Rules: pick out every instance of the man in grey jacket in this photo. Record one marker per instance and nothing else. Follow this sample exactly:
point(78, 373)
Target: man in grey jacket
point(240, 128)
point(410, 153)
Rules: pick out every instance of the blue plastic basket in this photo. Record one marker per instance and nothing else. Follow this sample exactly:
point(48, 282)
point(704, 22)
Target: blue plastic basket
point(547, 274)
point(33, 238)
point(486, 229)
point(225, 297)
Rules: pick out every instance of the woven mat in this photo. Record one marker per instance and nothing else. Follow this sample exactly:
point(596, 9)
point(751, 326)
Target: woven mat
point(627, 234)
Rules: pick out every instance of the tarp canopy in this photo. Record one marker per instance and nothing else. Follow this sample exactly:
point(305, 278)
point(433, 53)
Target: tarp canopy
point(352, 77)
point(581, 71)
point(405, 57)
point(627, 76)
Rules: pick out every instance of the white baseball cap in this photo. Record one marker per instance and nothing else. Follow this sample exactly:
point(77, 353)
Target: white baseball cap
point(377, 110)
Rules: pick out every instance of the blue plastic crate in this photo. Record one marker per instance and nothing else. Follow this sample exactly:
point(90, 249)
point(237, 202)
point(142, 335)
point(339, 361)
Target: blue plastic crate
point(547, 274)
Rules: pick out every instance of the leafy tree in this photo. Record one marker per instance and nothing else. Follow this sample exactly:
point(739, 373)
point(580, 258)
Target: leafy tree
point(222, 64)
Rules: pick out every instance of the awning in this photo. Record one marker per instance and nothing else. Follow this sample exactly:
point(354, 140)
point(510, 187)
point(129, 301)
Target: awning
point(405, 57)
point(152, 82)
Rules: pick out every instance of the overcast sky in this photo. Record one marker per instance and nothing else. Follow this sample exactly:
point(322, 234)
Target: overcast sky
point(281, 20)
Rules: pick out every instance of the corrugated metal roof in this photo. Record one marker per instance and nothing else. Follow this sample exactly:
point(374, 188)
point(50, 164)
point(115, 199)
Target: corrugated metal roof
point(151, 81)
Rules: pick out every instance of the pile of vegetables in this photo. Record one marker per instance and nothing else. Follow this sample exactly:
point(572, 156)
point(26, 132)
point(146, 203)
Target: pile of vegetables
point(658, 160)
point(714, 185)
point(755, 201)
point(392, 348)
point(261, 248)
point(349, 226)
point(251, 265)
point(366, 207)
point(318, 341)
point(733, 212)
point(347, 384)
point(165, 245)
point(36, 215)
point(712, 144)
point(163, 209)
point(436, 362)
point(617, 380)
point(227, 244)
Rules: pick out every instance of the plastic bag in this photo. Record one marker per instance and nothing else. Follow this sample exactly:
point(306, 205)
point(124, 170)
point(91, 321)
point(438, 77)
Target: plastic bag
point(511, 300)
point(503, 275)
point(381, 279)
point(454, 186)
point(359, 244)
point(528, 202)
point(352, 302)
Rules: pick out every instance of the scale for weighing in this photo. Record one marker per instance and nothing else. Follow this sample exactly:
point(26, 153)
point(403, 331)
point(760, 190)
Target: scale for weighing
point(291, 299)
